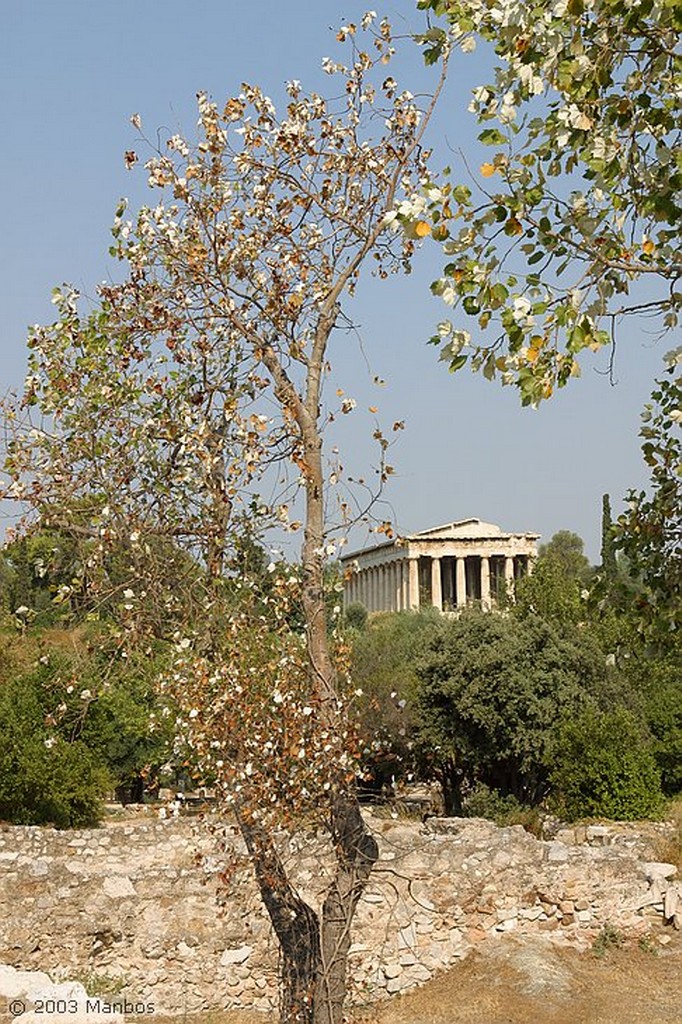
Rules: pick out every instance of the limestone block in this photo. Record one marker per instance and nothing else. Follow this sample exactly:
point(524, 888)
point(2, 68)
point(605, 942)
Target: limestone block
point(236, 956)
point(119, 887)
point(597, 835)
point(671, 903)
point(393, 970)
point(654, 870)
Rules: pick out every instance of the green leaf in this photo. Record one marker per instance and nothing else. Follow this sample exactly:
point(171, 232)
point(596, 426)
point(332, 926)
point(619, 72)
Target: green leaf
point(457, 363)
point(492, 137)
point(538, 255)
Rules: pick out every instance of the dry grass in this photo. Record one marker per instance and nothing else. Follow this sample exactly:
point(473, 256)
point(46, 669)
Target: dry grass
point(529, 982)
point(669, 849)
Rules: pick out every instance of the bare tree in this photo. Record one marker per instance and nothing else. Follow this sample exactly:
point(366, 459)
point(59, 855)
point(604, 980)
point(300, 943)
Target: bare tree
point(166, 411)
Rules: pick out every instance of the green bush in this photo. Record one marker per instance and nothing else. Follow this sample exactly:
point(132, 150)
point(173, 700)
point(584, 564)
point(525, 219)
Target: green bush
point(355, 616)
point(603, 766)
point(385, 654)
point(483, 802)
point(43, 778)
point(74, 727)
point(491, 690)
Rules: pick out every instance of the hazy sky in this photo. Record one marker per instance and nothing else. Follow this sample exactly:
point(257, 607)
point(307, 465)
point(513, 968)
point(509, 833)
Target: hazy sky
point(72, 73)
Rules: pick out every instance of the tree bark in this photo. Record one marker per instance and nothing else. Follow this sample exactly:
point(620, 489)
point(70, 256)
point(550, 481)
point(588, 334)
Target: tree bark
point(295, 923)
point(452, 789)
point(356, 853)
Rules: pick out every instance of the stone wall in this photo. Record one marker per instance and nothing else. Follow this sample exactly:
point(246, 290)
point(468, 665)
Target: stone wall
point(146, 910)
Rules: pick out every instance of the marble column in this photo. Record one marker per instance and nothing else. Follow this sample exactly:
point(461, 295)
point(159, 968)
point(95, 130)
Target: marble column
point(436, 588)
point(509, 577)
point(385, 603)
point(413, 576)
point(461, 582)
point(485, 583)
point(398, 581)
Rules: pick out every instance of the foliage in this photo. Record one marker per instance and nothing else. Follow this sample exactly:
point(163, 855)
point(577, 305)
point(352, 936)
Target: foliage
point(609, 564)
point(608, 938)
point(483, 802)
point(549, 593)
point(657, 678)
point(39, 567)
point(355, 616)
point(649, 532)
point(384, 663)
point(491, 691)
point(85, 723)
point(44, 779)
point(578, 203)
point(186, 411)
point(567, 550)
point(603, 767)
point(554, 589)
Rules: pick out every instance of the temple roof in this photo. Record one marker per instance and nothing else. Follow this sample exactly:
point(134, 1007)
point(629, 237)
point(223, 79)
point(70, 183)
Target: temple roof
point(461, 529)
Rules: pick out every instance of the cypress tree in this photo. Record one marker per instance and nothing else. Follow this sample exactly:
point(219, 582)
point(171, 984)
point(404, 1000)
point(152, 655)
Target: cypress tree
point(608, 552)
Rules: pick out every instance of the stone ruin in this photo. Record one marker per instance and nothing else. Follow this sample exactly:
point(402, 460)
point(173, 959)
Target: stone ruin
point(141, 913)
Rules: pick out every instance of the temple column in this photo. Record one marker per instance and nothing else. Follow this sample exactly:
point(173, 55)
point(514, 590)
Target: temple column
point(384, 603)
point(485, 583)
point(461, 583)
point(398, 586)
point(436, 588)
point(374, 585)
point(509, 577)
point(403, 586)
point(413, 584)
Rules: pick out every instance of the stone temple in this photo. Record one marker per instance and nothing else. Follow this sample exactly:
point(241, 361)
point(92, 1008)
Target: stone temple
point(463, 563)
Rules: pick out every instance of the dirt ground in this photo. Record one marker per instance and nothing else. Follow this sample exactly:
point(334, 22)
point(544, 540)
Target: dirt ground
point(532, 982)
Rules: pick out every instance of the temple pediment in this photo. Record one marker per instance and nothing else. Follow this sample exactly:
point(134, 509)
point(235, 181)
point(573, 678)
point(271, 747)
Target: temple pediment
point(469, 529)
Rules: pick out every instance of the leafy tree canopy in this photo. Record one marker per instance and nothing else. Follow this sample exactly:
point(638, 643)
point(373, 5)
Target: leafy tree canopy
point(567, 550)
point(491, 692)
point(649, 532)
point(578, 202)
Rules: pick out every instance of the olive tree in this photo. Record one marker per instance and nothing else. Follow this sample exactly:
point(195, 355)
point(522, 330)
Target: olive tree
point(167, 413)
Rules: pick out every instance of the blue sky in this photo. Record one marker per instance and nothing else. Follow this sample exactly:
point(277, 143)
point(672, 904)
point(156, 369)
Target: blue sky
point(73, 72)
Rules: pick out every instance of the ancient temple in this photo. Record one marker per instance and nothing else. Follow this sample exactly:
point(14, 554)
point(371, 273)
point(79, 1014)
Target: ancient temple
point(450, 567)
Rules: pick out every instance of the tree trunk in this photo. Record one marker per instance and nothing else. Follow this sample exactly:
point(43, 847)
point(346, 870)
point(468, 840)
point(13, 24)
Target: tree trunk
point(313, 970)
point(451, 786)
point(355, 847)
point(295, 923)
point(356, 852)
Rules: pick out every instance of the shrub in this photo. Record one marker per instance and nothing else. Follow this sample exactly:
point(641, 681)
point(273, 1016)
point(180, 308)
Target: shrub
point(491, 690)
point(603, 766)
point(355, 616)
point(41, 781)
point(385, 654)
